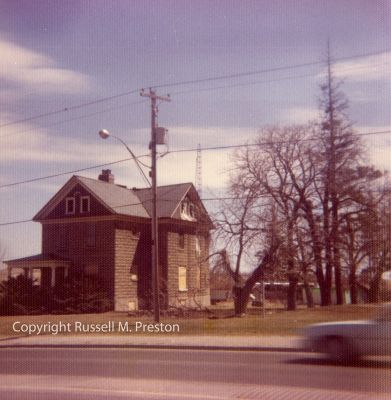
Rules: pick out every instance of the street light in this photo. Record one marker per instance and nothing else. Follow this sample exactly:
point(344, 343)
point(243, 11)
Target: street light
point(104, 134)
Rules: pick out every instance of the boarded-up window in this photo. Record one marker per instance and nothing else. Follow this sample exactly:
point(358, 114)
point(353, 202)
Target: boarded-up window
point(182, 279)
point(197, 247)
point(198, 277)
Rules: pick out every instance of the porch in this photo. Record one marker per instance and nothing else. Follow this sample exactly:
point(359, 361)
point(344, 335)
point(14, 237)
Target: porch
point(53, 269)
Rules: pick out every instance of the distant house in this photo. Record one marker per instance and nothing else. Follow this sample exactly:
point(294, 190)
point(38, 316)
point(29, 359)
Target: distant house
point(99, 228)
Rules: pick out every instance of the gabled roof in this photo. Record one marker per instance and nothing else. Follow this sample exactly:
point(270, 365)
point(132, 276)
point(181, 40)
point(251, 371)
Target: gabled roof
point(168, 198)
point(123, 201)
point(118, 199)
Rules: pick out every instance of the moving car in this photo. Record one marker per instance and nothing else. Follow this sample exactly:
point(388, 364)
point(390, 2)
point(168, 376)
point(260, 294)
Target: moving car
point(351, 340)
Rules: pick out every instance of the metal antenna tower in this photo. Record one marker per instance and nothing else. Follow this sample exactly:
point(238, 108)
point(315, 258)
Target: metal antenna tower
point(198, 177)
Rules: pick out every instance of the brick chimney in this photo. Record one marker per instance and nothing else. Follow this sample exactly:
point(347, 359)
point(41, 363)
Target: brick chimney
point(106, 176)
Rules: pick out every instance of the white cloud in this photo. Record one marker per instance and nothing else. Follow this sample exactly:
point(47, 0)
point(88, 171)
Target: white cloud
point(298, 115)
point(379, 145)
point(376, 67)
point(28, 69)
point(181, 167)
point(190, 136)
point(59, 153)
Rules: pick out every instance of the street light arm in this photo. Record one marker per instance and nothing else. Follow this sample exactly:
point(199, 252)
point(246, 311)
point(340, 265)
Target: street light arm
point(105, 135)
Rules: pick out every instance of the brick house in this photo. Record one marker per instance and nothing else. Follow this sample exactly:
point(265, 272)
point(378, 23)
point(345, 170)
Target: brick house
point(100, 228)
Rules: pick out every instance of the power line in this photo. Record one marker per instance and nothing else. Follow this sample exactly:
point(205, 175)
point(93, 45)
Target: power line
point(67, 172)
point(74, 119)
point(266, 70)
point(212, 88)
point(190, 82)
point(70, 108)
point(266, 143)
point(242, 84)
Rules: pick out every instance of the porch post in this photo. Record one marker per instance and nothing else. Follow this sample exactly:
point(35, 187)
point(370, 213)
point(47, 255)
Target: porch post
point(53, 276)
point(30, 273)
point(9, 271)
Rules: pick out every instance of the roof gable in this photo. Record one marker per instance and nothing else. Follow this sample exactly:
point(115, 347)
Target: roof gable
point(168, 198)
point(118, 198)
point(109, 198)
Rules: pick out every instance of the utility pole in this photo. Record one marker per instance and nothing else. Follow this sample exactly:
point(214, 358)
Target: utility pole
point(157, 137)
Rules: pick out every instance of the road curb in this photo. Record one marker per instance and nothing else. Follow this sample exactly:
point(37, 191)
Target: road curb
point(156, 347)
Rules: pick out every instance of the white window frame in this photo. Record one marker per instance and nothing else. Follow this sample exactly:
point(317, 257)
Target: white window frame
point(88, 204)
point(67, 201)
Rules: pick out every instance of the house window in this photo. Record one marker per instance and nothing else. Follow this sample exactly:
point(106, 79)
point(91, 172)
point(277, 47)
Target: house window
point(191, 210)
point(182, 279)
point(184, 207)
point(181, 241)
point(85, 204)
point(187, 210)
point(70, 205)
point(91, 235)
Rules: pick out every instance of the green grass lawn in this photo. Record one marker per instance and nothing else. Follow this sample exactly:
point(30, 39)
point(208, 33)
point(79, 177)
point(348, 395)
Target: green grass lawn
point(275, 322)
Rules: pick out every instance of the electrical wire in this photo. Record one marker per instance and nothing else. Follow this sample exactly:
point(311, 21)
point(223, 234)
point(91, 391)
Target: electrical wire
point(189, 82)
point(266, 143)
point(74, 118)
point(70, 108)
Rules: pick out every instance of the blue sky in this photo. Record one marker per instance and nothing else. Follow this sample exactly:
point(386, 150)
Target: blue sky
point(60, 54)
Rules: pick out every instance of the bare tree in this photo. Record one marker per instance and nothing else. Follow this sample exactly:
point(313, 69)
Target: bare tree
point(340, 155)
point(242, 223)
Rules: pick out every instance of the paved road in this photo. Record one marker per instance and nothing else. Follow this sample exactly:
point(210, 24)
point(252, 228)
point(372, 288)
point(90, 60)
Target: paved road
point(173, 374)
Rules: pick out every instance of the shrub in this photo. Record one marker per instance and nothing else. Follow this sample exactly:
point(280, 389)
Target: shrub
point(19, 296)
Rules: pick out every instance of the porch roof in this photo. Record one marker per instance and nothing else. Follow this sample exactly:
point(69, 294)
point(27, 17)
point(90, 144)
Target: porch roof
point(39, 260)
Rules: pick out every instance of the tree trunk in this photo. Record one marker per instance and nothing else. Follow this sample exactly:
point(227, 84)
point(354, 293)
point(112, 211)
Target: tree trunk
point(336, 255)
point(328, 254)
point(317, 249)
point(242, 293)
point(308, 295)
point(292, 275)
point(292, 291)
point(241, 298)
point(353, 289)
point(374, 290)
point(352, 262)
point(338, 284)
